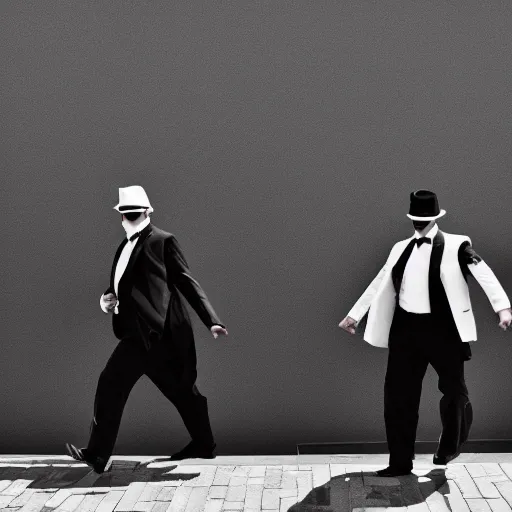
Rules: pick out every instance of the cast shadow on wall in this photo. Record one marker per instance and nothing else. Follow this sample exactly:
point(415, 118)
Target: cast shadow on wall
point(360, 491)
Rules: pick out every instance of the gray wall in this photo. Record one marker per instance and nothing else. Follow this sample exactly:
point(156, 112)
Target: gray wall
point(279, 141)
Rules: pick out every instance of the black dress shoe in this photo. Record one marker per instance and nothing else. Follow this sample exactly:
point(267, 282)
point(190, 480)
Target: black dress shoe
point(441, 460)
point(395, 471)
point(98, 464)
point(195, 451)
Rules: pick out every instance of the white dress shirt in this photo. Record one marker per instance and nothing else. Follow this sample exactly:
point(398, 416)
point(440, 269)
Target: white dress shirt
point(124, 258)
point(414, 296)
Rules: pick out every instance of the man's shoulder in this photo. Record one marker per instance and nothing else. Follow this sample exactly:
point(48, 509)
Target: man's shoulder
point(159, 234)
point(456, 239)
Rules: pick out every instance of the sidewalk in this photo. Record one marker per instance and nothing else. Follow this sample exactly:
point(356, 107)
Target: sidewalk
point(309, 483)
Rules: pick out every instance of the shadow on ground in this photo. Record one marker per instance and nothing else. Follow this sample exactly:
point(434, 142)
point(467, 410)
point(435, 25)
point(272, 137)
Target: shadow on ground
point(51, 473)
point(358, 490)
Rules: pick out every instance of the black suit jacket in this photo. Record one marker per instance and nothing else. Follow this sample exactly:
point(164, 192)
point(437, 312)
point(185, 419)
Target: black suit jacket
point(149, 291)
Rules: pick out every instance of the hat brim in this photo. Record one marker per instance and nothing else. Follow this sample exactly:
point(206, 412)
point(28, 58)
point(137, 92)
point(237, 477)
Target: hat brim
point(141, 209)
point(440, 214)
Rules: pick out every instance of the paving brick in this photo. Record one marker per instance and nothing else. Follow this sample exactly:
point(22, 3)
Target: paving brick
point(499, 505)
point(180, 499)
point(486, 487)
point(71, 503)
point(6, 500)
point(58, 498)
point(166, 494)
point(492, 468)
point(130, 496)
point(256, 481)
point(270, 499)
point(22, 499)
point(218, 492)
point(304, 484)
point(90, 503)
point(238, 481)
point(241, 471)
point(253, 497)
point(337, 469)
point(437, 503)
point(273, 478)
point(213, 505)
point(35, 504)
point(143, 506)
point(289, 480)
point(197, 499)
point(257, 472)
point(478, 505)
point(505, 489)
point(288, 493)
point(467, 487)
point(233, 505)
point(17, 487)
point(236, 493)
point(150, 492)
point(286, 503)
point(205, 478)
point(475, 470)
point(110, 500)
point(507, 468)
point(417, 507)
point(455, 499)
point(4, 484)
point(160, 506)
point(321, 474)
point(222, 476)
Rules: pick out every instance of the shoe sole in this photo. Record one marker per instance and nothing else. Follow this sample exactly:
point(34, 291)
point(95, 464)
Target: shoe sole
point(75, 454)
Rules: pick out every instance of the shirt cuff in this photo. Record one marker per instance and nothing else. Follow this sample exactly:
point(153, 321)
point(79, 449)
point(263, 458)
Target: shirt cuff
point(102, 306)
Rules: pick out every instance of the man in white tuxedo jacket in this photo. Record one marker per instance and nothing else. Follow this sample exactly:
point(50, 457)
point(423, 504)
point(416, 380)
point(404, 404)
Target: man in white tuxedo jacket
point(419, 307)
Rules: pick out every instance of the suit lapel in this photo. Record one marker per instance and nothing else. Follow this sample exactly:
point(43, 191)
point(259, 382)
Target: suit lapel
point(434, 271)
point(397, 272)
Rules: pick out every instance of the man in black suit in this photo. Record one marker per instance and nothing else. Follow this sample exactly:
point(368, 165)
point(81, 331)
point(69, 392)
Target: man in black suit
point(155, 333)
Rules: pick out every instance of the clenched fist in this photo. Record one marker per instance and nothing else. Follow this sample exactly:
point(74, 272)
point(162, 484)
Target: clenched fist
point(348, 324)
point(108, 302)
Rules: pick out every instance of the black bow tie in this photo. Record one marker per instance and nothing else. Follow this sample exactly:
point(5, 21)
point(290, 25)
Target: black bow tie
point(134, 236)
point(423, 240)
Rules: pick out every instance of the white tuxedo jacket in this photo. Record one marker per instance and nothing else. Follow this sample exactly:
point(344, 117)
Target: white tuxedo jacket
point(380, 296)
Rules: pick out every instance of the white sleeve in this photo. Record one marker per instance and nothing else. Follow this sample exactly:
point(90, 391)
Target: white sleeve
point(490, 285)
point(362, 305)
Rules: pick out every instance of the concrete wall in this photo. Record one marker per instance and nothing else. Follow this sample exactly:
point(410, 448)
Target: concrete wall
point(279, 141)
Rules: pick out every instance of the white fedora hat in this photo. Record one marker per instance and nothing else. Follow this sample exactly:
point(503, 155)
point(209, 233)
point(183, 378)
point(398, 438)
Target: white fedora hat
point(133, 199)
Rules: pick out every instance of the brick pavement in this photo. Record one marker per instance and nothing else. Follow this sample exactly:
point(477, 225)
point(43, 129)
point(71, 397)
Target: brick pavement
point(335, 483)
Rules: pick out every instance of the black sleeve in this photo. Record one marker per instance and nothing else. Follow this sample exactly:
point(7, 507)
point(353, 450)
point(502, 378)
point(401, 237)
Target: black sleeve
point(178, 274)
point(467, 255)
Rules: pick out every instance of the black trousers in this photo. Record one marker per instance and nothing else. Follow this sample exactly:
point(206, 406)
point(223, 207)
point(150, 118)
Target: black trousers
point(415, 340)
point(129, 361)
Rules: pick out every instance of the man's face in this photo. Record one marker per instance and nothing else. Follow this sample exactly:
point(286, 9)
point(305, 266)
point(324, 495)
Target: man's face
point(420, 225)
point(131, 216)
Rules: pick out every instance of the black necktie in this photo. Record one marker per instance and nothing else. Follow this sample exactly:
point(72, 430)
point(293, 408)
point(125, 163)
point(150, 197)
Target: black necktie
point(134, 236)
point(423, 240)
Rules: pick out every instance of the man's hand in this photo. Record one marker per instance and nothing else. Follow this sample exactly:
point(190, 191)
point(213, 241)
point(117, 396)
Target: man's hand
point(109, 302)
point(217, 329)
point(505, 318)
point(348, 324)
